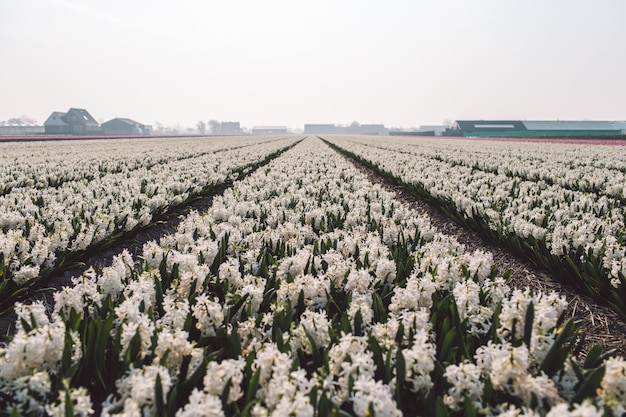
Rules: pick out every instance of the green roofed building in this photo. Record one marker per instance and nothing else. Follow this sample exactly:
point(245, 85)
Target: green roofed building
point(533, 128)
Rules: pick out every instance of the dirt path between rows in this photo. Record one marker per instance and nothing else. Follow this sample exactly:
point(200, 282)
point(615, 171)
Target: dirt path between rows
point(601, 325)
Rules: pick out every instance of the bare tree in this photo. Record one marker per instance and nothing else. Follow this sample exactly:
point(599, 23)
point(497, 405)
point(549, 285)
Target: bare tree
point(214, 126)
point(22, 120)
point(201, 126)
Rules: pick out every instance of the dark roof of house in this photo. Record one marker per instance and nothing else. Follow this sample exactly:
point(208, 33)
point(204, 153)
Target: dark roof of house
point(82, 116)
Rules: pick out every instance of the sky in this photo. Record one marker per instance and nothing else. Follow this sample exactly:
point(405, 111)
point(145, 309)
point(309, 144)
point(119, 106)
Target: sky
point(403, 63)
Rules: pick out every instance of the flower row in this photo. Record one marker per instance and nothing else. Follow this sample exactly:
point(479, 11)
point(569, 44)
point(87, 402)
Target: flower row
point(44, 164)
point(41, 227)
point(559, 228)
point(601, 171)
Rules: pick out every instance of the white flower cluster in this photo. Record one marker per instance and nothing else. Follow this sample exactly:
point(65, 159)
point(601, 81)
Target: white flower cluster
point(292, 294)
point(34, 355)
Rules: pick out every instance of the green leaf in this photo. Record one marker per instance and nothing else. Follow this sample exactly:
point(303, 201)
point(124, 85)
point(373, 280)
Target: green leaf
point(323, 406)
point(172, 401)
point(488, 390)
point(400, 376)
point(448, 339)
point(226, 392)
point(495, 323)
point(253, 386)
point(589, 386)
point(232, 311)
point(346, 327)
point(380, 312)
point(377, 356)
point(470, 408)
point(557, 354)
point(67, 352)
point(159, 295)
point(69, 404)
point(317, 356)
point(358, 323)
point(400, 334)
point(440, 408)
point(528, 324)
point(158, 397)
point(133, 350)
point(593, 358)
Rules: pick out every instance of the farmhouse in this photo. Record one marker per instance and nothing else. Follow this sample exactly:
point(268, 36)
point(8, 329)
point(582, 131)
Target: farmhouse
point(122, 126)
point(74, 122)
point(533, 128)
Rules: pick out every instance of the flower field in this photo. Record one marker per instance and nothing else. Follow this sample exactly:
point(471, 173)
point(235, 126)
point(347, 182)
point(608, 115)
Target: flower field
point(58, 201)
point(304, 289)
point(564, 207)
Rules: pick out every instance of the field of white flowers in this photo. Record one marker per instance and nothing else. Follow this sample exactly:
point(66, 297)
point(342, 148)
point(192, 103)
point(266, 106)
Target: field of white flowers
point(304, 290)
point(58, 201)
point(562, 206)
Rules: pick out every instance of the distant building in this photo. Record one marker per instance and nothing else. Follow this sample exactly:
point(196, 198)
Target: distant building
point(424, 130)
point(487, 127)
point(375, 129)
point(56, 124)
point(437, 130)
point(74, 122)
point(320, 129)
point(621, 126)
point(229, 128)
point(532, 128)
point(571, 128)
point(269, 130)
point(356, 129)
point(122, 126)
point(19, 130)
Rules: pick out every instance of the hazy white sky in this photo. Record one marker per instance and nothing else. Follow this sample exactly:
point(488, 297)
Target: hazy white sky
point(401, 63)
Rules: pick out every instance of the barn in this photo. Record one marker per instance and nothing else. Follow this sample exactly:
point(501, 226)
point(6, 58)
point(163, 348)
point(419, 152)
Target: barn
point(533, 128)
point(122, 126)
